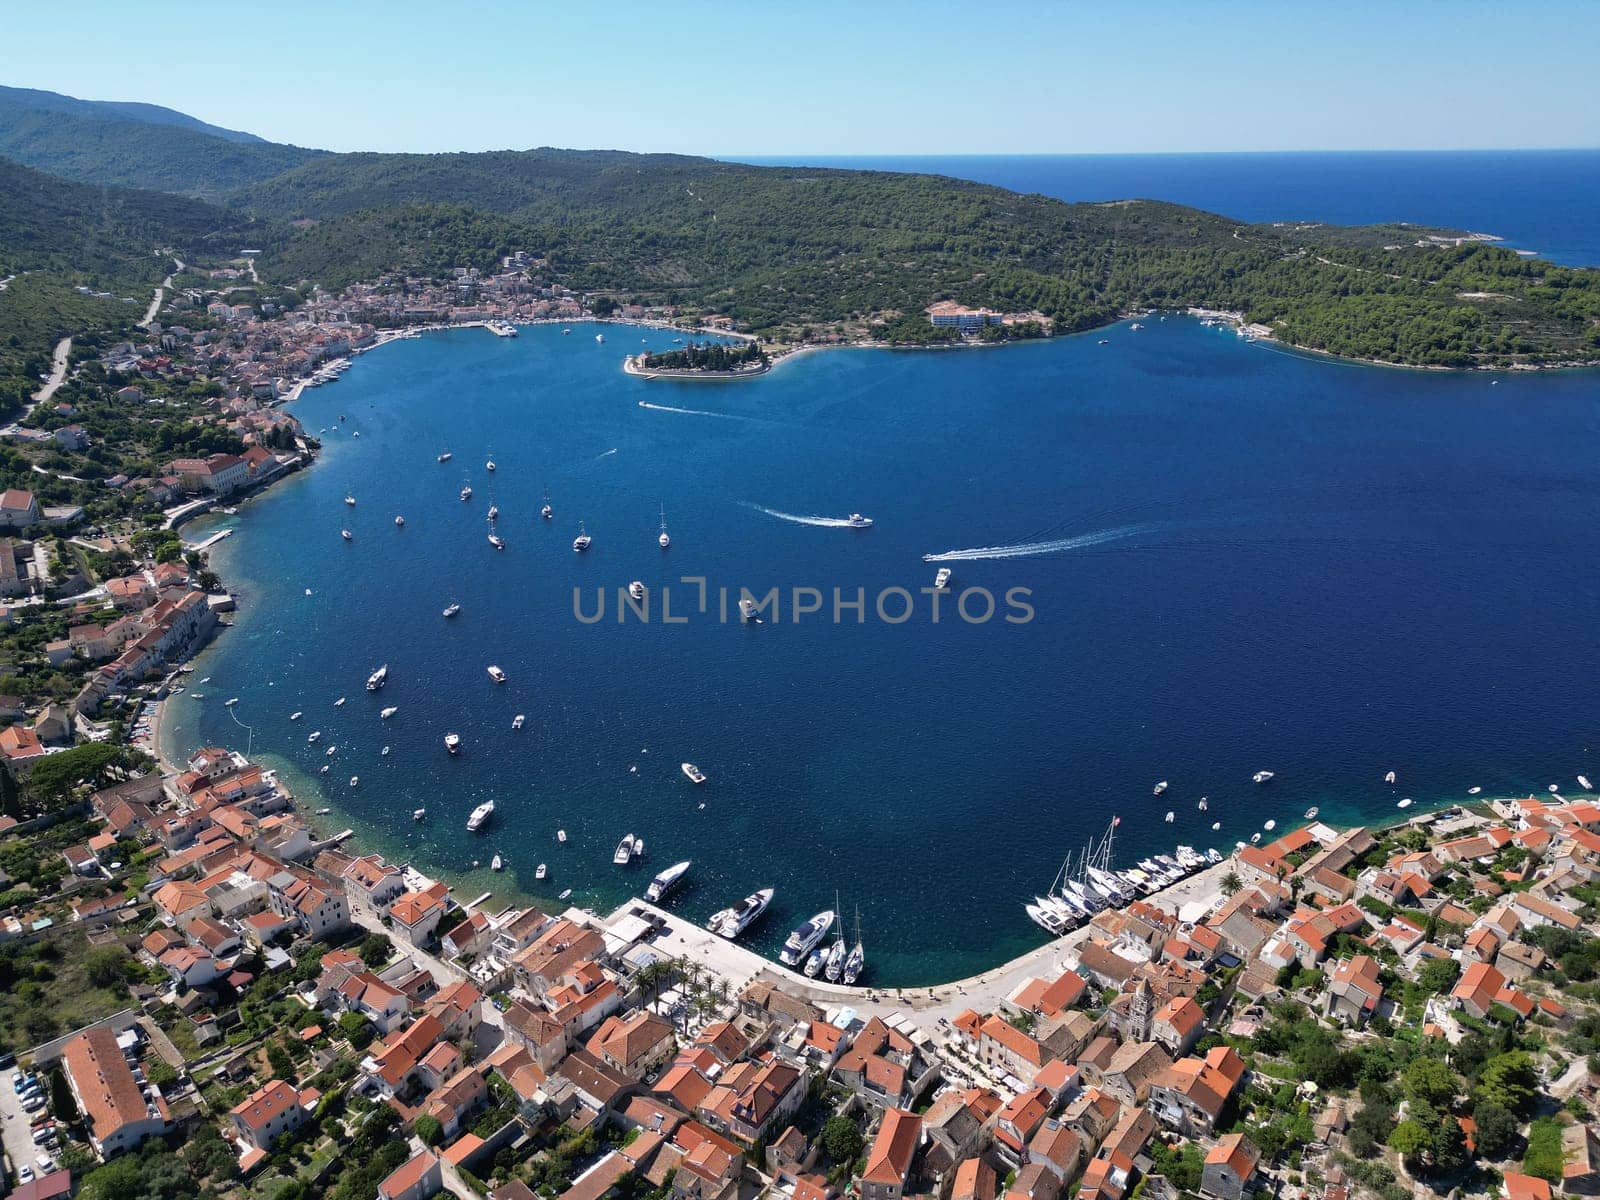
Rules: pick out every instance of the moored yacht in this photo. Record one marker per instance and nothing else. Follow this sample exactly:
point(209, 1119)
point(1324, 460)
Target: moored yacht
point(624, 852)
point(1389, 777)
point(480, 816)
point(731, 922)
point(350, 500)
point(1262, 776)
point(385, 714)
point(600, 337)
point(1583, 782)
point(452, 743)
point(466, 491)
point(517, 721)
point(666, 881)
point(494, 512)
point(804, 936)
point(445, 456)
point(856, 962)
point(547, 512)
point(452, 609)
point(378, 678)
point(665, 539)
point(636, 590)
point(347, 535)
point(581, 542)
point(497, 542)
point(694, 773)
point(496, 674)
point(418, 813)
point(1160, 787)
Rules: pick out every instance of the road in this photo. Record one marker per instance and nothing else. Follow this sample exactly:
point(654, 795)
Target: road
point(58, 373)
point(443, 974)
point(161, 294)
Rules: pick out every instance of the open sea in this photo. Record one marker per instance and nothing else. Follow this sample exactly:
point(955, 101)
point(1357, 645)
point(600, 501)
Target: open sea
point(1237, 558)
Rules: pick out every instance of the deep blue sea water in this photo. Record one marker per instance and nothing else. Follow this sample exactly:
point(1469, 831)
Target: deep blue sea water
point(1282, 562)
point(1541, 200)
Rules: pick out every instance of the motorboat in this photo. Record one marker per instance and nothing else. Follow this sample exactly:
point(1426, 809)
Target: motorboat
point(489, 465)
point(314, 735)
point(814, 963)
point(1583, 782)
point(385, 751)
point(541, 871)
point(517, 721)
point(446, 457)
point(1311, 813)
point(1473, 791)
point(857, 521)
point(636, 590)
point(664, 539)
point(1160, 787)
point(399, 520)
point(497, 542)
point(1262, 776)
point(331, 751)
point(1389, 777)
point(496, 864)
point(694, 773)
point(355, 781)
point(418, 813)
point(1269, 826)
point(496, 674)
point(350, 500)
point(466, 492)
point(385, 714)
point(561, 836)
point(1203, 805)
point(666, 881)
point(1045, 919)
point(452, 609)
point(581, 542)
point(600, 338)
point(624, 852)
point(804, 936)
point(747, 609)
point(1171, 816)
point(339, 703)
point(547, 512)
point(378, 678)
point(941, 579)
point(731, 922)
point(347, 535)
point(480, 816)
point(295, 716)
point(1406, 803)
point(494, 512)
point(452, 743)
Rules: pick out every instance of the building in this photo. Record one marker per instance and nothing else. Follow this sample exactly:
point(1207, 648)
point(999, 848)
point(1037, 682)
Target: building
point(634, 1045)
point(273, 1109)
point(1228, 1167)
point(18, 509)
point(1189, 1096)
point(1354, 991)
point(947, 314)
point(111, 1100)
point(416, 1179)
point(889, 1162)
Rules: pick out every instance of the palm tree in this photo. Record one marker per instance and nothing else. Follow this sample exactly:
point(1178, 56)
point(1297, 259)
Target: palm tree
point(1231, 883)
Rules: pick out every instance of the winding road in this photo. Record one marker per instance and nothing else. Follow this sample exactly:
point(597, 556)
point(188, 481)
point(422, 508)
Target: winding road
point(161, 294)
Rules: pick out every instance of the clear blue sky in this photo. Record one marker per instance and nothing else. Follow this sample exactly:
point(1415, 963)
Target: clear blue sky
point(1049, 76)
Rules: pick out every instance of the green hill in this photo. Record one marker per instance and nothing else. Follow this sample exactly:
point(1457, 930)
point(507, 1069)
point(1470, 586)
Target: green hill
point(117, 110)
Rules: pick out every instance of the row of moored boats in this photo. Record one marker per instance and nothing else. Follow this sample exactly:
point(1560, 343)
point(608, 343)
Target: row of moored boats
point(1087, 882)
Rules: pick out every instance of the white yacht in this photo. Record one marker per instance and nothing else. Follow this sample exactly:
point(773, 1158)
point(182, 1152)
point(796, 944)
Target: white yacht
point(1406, 803)
point(857, 961)
point(350, 500)
point(636, 590)
point(295, 716)
point(489, 465)
point(815, 962)
point(466, 491)
point(517, 721)
point(355, 781)
point(747, 609)
point(665, 539)
point(452, 743)
point(600, 337)
point(1583, 782)
point(541, 871)
point(480, 816)
point(1389, 777)
point(581, 542)
point(497, 542)
point(339, 703)
point(561, 836)
point(624, 852)
point(494, 512)
point(1262, 776)
point(496, 863)
point(496, 674)
point(1203, 805)
point(1269, 826)
point(857, 521)
point(418, 813)
point(547, 512)
point(446, 456)
point(452, 609)
point(804, 936)
point(1160, 787)
point(385, 714)
point(1171, 816)
point(666, 881)
point(695, 774)
point(378, 678)
point(347, 535)
point(941, 579)
point(1311, 813)
point(731, 922)
point(315, 734)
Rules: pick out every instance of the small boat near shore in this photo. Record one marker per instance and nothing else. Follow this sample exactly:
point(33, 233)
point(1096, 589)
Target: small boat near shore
point(666, 881)
point(496, 864)
point(418, 813)
point(804, 936)
point(480, 816)
point(623, 855)
point(731, 922)
point(1583, 782)
point(1389, 777)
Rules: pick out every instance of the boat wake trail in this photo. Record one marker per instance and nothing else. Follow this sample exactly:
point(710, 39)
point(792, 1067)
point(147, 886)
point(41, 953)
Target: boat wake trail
point(1033, 549)
point(823, 522)
point(692, 412)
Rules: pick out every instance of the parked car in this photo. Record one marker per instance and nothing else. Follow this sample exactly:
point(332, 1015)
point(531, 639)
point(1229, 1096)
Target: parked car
point(24, 1174)
point(33, 1105)
point(46, 1164)
point(43, 1135)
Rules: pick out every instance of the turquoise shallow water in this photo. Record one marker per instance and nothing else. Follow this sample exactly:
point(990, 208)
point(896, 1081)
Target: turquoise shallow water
point(1255, 559)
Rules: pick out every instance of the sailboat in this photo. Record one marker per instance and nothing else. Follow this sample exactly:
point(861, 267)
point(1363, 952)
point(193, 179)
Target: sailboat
point(547, 512)
point(665, 539)
point(856, 962)
point(833, 966)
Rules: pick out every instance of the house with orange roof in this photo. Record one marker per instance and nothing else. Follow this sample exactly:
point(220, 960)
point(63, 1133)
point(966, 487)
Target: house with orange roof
point(708, 1171)
point(1255, 863)
point(974, 1180)
point(1018, 1120)
point(363, 992)
point(1481, 987)
point(1004, 1047)
point(1048, 997)
point(1106, 1178)
point(753, 1098)
point(1534, 910)
point(1517, 1186)
point(536, 1031)
point(418, 1178)
point(885, 1067)
point(956, 1122)
point(550, 958)
point(21, 750)
point(415, 915)
point(634, 1045)
point(391, 1067)
point(889, 1162)
point(274, 1108)
point(1229, 1167)
point(456, 1099)
point(114, 1106)
point(1189, 1096)
point(179, 903)
point(1354, 991)
point(1177, 1025)
point(372, 885)
point(1058, 1147)
point(1061, 1079)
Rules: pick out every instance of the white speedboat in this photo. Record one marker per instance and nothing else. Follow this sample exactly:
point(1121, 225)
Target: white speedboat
point(1473, 791)
point(636, 590)
point(331, 751)
point(1406, 803)
point(494, 512)
point(446, 457)
point(355, 781)
point(314, 735)
point(1311, 813)
point(666, 881)
point(747, 609)
point(418, 813)
point(496, 542)
point(295, 716)
point(480, 816)
point(495, 864)
point(1171, 816)
point(399, 520)
point(804, 936)
point(386, 713)
point(600, 337)
point(1389, 777)
point(378, 678)
point(1160, 787)
point(339, 703)
point(466, 492)
point(541, 871)
point(1203, 805)
point(547, 512)
point(695, 774)
point(741, 916)
point(561, 836)
point(623, 855)
point(322, 812)
point(517, 721)
point(1262, 776)
point(496, 674)
point(350, 500)
point(1269, 826)
point(941, 579)
point(385, 752)
point(857, 521)
point(489, 465)
point(564, 894)
point(452, 609)
point(452, 743)
point(347, 535)
point(1583, 782)
point(664, 539)
point(815, 962)
point(1216, 825)
point(581, 542)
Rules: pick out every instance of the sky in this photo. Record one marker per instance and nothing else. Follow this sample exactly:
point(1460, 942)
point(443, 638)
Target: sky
point(824, 78)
